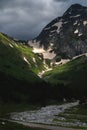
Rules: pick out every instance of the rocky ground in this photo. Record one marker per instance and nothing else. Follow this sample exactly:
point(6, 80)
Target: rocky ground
point(47, 115)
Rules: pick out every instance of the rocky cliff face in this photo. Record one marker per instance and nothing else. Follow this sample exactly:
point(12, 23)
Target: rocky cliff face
point(65, 36)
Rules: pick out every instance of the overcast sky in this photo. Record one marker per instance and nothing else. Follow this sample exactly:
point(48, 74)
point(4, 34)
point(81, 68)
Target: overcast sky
point(24, 19)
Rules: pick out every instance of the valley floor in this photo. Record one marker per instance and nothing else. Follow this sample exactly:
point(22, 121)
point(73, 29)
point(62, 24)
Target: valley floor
point(68, 116)
point(33, 126)
point(46, 116)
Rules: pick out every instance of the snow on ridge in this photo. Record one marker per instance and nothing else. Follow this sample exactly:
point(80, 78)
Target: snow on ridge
point(59, 25)
point(11, 45)
point(79, 56)
point(34, 59)
point(47, 28)
point(51, 44)
point(69, 12)
point(78, 24)
point(38, 50)
point(75, 23)
point(76, 31)
point(25, 59)
point(85, 23)
point(63, 61)
point(53, 31)
point(46, 53)
point(49, 55)
point(78, 15)
point(80, 34)
point(34, 44)
point(65, 22)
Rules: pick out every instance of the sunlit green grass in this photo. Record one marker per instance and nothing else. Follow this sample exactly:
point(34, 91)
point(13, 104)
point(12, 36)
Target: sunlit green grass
point(12, 61)
point(74, 71)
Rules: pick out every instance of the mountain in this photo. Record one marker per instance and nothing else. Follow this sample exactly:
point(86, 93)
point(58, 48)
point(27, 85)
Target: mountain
point(18, 68)
point(16, 57)
point(73, 75)
point(64, 37)
point(62, 40)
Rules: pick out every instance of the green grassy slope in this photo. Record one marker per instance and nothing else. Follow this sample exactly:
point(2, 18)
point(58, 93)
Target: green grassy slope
point(72, 74)
point(18, 60)
point(18, 74)
point(18, 65)
point(73, 70)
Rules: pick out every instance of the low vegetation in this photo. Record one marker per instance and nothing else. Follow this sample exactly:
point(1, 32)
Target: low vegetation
point(73, 75)
point(5, 125)
point(75, 117)
point(20, 85)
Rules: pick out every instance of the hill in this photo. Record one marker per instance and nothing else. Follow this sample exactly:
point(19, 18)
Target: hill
point(16, 55)
point(18, 65)
point(73, 75)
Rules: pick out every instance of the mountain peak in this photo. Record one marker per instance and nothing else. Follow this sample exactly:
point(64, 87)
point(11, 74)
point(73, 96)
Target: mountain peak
point(76, 6)
point(66, 35)
point(74, 9)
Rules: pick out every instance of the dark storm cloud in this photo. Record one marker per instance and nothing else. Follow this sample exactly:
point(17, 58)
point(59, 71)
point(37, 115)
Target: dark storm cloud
point(61, 0)
point(24, 19)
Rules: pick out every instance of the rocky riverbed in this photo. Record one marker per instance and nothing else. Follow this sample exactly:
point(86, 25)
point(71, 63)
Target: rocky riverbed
point(46, 115)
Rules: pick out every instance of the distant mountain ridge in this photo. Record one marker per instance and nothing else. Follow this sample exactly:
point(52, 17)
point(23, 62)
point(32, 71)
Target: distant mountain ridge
point(66, 36)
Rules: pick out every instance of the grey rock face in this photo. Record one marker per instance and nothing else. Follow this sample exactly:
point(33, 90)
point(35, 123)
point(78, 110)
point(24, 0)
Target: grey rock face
point(68, 33)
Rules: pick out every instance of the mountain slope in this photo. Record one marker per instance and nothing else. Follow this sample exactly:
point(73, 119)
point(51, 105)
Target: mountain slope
point(18, 60)
point(72, 74)
point(66, 35)
point(18, 82)
point(68, 72)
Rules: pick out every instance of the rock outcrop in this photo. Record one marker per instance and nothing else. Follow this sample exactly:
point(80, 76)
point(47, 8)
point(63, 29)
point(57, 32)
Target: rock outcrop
point(66, 36)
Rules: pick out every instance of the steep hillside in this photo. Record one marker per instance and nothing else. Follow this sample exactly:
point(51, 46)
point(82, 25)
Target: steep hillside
point(72, 74)
point(18, 82)
point(68, 72)
point(64, 37)
point(16, 59)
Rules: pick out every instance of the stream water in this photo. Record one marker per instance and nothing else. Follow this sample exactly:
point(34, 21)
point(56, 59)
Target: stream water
point(46, 115)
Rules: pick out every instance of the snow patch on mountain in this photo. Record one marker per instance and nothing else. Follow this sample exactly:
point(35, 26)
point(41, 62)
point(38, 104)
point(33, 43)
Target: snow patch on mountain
point(75, 23)
point(11, 45)
point(38, 50)
point(75, 16)
point(85, 23)
point(80, 34)
point(65, 22)
point(34, 59)
point(63, 61)
point(47, 54)
point(46, 28)
point(76, 31)
point(59, 25)
point(25, 59)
